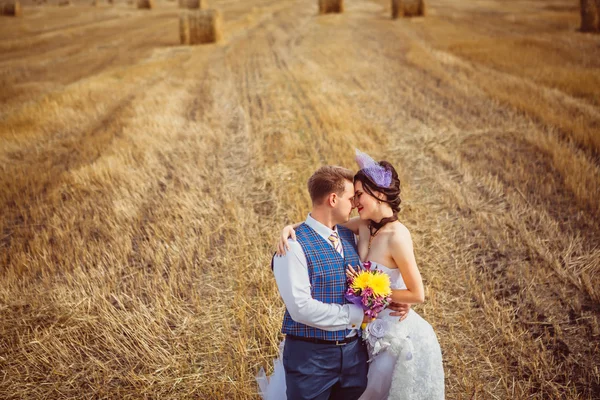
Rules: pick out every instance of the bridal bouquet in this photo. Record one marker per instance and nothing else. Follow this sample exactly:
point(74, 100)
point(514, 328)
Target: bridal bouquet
point(371, 290)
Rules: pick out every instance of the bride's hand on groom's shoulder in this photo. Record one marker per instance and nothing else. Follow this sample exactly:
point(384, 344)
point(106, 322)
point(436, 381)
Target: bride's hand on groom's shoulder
point(282, 244)
point(400, 310)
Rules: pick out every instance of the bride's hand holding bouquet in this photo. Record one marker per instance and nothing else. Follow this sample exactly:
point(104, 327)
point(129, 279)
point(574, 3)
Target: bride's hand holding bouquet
point(369, 289)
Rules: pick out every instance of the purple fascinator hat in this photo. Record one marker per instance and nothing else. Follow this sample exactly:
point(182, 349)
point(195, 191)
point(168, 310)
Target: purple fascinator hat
point(378, 174)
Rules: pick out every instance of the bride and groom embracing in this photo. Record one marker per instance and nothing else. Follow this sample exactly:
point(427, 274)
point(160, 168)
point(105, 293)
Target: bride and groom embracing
point(326, 354)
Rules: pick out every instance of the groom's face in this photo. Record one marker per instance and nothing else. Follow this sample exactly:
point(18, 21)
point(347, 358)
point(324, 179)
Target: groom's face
point(345, 203)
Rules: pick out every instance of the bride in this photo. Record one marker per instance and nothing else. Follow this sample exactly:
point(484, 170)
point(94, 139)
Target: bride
point(405, 356)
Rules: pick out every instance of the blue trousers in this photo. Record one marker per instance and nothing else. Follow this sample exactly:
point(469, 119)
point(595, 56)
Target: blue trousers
point(325, 371)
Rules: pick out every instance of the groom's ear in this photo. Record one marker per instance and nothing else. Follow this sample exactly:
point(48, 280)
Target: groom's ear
point(332, 199)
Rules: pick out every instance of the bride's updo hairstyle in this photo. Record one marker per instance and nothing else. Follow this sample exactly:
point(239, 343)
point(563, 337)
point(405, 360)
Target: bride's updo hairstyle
point(392, 193)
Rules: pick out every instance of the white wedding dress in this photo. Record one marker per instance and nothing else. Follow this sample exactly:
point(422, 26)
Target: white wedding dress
point(273, 387)
point(407, 366)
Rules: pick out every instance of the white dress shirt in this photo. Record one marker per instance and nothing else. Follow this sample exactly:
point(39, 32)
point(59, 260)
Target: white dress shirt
point(291, 274)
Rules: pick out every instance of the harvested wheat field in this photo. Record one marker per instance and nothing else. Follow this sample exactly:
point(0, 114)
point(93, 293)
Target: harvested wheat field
point(143, 184)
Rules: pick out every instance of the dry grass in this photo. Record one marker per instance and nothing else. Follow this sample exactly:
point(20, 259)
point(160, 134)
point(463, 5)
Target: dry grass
point(143, 183)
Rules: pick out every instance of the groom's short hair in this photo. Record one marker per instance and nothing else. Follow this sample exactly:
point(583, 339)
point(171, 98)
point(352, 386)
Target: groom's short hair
point(326, 180)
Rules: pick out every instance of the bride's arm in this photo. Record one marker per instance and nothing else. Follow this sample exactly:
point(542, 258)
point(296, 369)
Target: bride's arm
point(287, 232)
point(401, 247)
point(353, 224)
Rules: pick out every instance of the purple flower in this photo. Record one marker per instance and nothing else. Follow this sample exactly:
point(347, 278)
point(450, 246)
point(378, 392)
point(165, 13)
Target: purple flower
point(367, 265)
point(365, 301)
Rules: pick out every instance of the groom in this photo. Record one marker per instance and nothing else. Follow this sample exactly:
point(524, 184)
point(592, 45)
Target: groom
point(323, 357)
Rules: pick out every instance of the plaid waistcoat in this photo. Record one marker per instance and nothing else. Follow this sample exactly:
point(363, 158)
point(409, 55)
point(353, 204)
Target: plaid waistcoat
point(327, 274)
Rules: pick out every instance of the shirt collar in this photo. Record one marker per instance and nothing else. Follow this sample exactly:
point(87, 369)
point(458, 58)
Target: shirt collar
point(318, 227)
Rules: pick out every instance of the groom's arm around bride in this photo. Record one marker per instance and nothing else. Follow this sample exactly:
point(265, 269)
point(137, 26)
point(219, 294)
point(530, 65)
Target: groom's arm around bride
point(293, 280)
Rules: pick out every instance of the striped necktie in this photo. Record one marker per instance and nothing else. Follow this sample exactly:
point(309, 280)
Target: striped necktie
point(335, 240)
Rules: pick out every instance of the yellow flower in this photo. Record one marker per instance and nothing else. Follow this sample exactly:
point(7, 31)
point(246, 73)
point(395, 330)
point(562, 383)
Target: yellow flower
point(362, 280)
point(380, 283)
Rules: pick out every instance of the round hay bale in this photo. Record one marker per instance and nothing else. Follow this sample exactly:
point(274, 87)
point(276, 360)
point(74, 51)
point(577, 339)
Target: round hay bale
point(331, 6)
point(202, 26)
point(184, 28)
point(110, 1)
point(146, 4)
point(193, 4)
point(590, 15)
point(11, 9)
point(64, 3)
point(397, 9)
point(412, 8)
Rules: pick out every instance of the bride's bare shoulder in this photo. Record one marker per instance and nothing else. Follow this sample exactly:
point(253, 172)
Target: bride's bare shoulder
point(400, 232)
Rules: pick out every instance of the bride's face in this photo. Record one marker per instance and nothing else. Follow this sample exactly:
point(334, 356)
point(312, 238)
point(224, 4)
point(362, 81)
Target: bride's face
point(366, 205)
